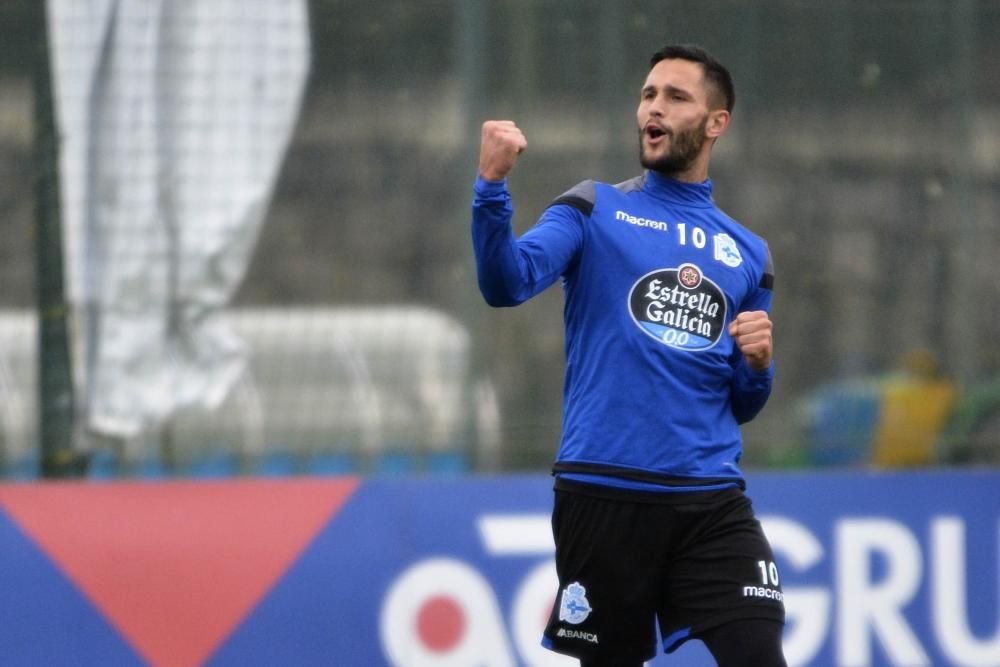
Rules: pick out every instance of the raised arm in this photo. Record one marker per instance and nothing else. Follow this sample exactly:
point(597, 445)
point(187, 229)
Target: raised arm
point(512, 270)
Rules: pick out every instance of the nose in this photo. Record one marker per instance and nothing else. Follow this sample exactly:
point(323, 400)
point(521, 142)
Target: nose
point(656, 107)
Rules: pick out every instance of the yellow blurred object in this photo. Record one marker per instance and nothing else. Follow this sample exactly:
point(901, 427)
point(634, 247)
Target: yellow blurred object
point(921, 364)
point(914, 409)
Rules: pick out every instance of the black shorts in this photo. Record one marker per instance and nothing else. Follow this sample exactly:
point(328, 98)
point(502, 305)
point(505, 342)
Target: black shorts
point(691, 563)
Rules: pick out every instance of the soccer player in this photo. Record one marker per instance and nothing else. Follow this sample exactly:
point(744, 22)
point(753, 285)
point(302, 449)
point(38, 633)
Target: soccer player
point(668, 351)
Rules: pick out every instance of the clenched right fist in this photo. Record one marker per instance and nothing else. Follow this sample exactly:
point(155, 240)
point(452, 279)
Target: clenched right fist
point(502, 142)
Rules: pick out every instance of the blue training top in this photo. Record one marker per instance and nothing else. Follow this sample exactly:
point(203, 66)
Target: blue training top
point(653, 273)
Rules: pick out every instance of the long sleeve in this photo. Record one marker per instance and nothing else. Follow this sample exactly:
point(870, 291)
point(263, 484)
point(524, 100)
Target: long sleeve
point(512, 270)
point(750, 388)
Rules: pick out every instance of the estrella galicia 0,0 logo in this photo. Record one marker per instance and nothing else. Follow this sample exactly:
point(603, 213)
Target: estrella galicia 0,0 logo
point(679, 307)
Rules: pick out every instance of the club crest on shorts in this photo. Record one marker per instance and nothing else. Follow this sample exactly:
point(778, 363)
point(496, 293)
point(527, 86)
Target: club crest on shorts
point(574, 607)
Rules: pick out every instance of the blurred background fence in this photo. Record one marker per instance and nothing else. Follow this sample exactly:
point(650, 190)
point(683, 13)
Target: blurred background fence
point(865, 148)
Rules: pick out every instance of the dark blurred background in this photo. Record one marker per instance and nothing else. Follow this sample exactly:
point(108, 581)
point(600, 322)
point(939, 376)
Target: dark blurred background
point(865, 148)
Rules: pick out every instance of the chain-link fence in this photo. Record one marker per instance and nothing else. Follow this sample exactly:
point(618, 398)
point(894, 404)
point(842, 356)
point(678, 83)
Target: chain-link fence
point(865, 147)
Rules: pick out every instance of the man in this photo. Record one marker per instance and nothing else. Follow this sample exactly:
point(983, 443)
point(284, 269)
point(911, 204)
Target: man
point(668, 350)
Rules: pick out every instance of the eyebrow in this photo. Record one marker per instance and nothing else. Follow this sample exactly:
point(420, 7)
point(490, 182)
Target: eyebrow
point(670, 89)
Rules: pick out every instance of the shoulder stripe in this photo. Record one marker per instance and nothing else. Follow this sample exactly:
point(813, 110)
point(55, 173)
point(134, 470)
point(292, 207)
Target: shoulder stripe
point(581, 197)
point(767, 280)
point(632, 184)
point(579, 203)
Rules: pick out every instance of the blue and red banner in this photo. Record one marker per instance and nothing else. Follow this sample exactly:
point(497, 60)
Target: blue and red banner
point(877, 569)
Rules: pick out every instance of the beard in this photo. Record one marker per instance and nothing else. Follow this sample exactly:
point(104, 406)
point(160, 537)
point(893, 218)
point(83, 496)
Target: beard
point(685, 145)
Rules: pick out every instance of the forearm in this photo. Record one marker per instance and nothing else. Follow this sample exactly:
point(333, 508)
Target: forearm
point(499, 267)
point(750, 390)
point(512, 270)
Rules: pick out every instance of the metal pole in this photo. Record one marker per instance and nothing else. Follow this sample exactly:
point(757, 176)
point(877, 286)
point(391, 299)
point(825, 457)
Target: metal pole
point(471, 61)
point(964, 338)
point(55, 380)
point(610, 39)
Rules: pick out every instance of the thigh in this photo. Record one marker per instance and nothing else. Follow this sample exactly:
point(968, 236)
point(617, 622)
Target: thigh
point(724, 570)
point(606, 604)
point(750, 642)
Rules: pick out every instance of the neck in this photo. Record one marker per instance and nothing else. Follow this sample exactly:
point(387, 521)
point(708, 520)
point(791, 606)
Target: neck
point(695, 172)
point(688, 175)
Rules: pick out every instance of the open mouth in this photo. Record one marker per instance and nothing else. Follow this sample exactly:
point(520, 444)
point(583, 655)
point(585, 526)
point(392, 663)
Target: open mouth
point(654, 132)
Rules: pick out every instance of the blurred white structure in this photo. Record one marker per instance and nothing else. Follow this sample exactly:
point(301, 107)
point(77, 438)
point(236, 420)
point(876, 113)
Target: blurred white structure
point(357, 381)
point(173, 118)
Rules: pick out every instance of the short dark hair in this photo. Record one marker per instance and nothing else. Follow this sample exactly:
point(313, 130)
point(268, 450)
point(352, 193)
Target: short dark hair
point(719, 80)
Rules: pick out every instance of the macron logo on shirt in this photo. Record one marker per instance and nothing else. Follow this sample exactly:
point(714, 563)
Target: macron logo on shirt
point(640, 222)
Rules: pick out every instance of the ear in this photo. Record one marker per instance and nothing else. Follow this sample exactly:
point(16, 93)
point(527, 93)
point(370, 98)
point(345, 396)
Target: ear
point(718, 122)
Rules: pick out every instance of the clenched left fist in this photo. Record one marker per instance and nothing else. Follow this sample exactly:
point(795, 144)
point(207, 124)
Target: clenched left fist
point(752, 331)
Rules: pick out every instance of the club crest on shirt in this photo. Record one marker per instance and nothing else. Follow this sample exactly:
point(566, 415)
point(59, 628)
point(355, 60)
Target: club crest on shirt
point(726, 250)
point(574, 607)
point(679, 307)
